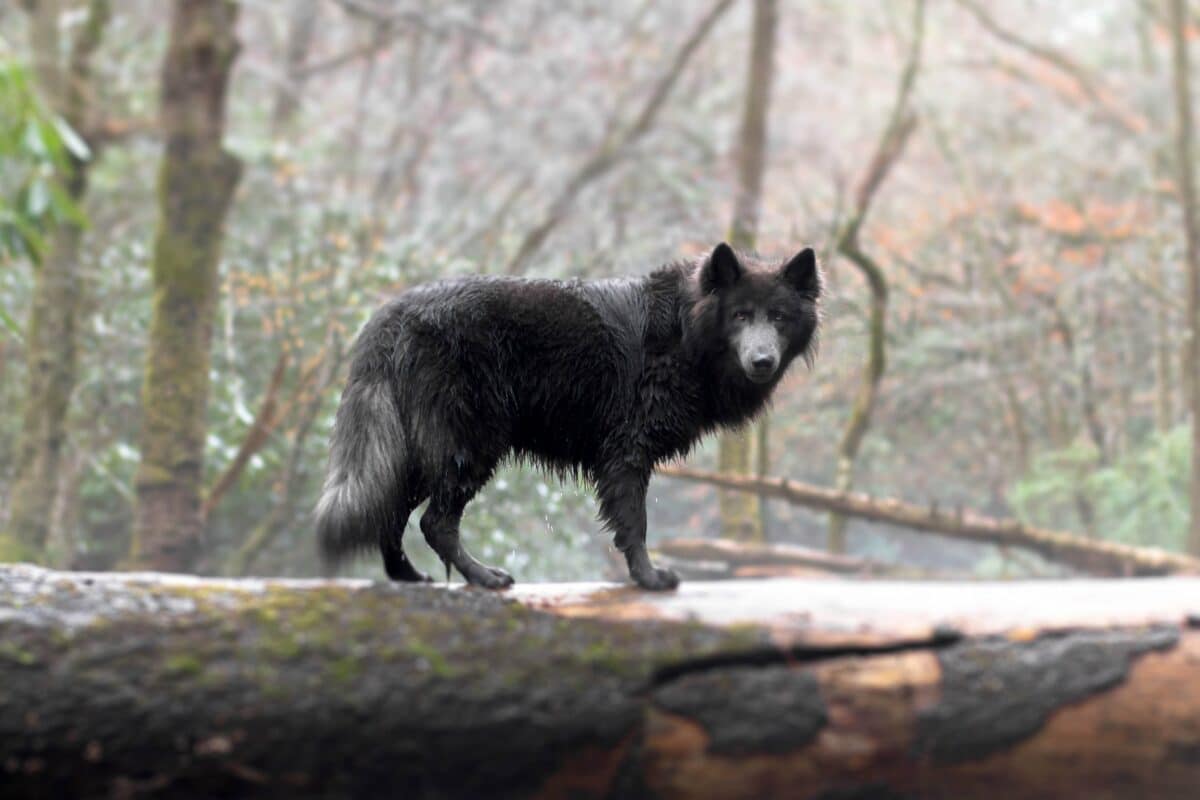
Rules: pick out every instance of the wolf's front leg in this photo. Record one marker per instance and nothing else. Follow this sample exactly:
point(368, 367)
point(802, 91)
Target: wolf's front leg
point(622, 495)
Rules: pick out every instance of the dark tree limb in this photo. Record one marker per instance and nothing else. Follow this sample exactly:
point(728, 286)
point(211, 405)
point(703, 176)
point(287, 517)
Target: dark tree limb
point(1089, 555)
point(171, 686)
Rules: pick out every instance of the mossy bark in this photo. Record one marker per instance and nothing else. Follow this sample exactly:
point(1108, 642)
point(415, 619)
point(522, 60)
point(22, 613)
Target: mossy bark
point(169, 686)
point(51, 337)
point(51, 360)
point(197, 179)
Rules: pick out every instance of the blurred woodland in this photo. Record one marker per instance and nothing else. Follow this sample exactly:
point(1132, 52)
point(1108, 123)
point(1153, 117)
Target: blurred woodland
point(202, 201)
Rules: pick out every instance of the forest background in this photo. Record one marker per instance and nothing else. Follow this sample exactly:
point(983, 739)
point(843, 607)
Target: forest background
point(201, 202)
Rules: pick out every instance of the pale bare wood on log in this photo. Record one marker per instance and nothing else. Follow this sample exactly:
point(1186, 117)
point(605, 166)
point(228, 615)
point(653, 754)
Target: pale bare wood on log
point(160, 685)
point(1089, 555)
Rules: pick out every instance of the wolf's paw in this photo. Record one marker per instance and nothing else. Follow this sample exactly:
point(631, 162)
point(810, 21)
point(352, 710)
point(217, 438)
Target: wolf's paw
point(657, 579)
point(407, 573)
point(489, 578)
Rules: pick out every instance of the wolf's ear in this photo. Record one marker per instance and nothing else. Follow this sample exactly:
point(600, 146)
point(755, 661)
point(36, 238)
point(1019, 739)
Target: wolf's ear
point(721, 270)
point(801, 272)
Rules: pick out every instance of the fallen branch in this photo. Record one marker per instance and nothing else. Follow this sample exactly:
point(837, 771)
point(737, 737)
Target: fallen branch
point(1089, 555)
point(174, 686)
point(752, 554)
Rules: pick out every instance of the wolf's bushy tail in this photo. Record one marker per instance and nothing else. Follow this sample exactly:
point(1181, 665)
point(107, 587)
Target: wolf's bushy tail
point(364, 490)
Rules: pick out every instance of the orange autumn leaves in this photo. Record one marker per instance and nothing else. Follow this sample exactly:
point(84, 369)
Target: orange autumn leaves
point(1067, 237)
point(1095, 220)
point(1085, 234)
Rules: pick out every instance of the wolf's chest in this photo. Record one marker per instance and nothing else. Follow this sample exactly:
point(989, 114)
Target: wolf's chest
point(670, 406)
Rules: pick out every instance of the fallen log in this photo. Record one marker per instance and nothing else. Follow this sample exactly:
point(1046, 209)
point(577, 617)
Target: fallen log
point(157, 685)
point(1092, 556)
point(735, 557)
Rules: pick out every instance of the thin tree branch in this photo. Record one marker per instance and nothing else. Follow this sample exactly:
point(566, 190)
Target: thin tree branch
point(1100, 96)
point(284, 508)
point(415, 19)
point(610, 150)
point(260, 429)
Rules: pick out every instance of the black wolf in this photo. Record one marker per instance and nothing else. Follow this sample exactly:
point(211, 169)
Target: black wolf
point(603, 379)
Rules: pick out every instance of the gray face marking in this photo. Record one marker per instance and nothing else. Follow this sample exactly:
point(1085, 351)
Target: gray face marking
point(759, 347)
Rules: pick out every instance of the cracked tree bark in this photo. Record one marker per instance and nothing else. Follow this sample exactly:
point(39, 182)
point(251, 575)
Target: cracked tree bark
point(116, 685)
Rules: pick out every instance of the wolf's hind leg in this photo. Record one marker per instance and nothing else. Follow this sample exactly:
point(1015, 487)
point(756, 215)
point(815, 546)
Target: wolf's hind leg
point(440, 523)
point(397, 565)
point(391, 546)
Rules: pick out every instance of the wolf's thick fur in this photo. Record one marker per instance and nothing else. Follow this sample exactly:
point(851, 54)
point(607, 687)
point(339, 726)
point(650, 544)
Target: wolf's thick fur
point(601, 378)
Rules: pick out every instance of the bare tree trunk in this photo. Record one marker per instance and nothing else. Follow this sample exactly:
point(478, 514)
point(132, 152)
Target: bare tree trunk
point(741, 515)
point(301, 27)
point(51, 340)
point(1187, 194)
point(889, 149)
point(762, 468)
point(196, 184)
point(1164, 414)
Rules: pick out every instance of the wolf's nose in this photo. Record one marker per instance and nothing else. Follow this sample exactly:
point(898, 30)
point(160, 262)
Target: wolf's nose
point(763, 362)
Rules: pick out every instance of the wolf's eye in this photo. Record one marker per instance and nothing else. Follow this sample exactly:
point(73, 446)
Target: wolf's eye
point(775, 315)
point(741, 316)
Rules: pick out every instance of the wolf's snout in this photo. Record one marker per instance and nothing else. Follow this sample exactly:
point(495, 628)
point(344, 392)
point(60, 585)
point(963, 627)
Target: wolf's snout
point(763, 362)
point(760, 366)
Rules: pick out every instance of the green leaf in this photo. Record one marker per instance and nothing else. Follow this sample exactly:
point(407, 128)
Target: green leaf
point(72, 140)
point(11, 324)
point(38, 199)
point(33, 142)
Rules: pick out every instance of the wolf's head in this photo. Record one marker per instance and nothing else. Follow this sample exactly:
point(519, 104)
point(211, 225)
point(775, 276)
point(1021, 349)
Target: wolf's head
point(754, 316)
